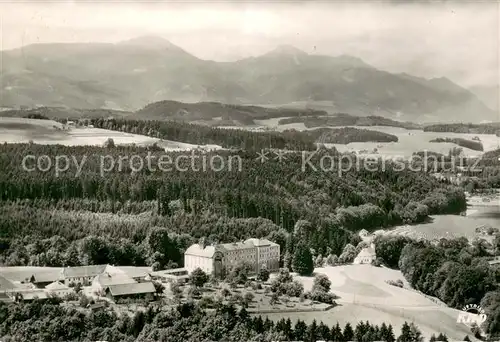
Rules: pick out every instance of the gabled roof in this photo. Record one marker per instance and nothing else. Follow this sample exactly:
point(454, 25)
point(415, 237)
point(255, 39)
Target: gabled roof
point(6, 284)
point(107, 279)
point(83, 271)
point(135, 272)
point(56, 286)
point(46, 277)
point(131, 289)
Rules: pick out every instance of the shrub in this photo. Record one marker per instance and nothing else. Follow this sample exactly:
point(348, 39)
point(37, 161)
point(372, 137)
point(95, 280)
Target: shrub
point(322, 297)
point(398, 283)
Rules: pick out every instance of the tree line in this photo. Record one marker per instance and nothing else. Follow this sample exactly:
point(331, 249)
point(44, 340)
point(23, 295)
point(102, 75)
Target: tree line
point(203, 135)
point(487, 128)
point(455, 271)
point(49, 321)
point(348, 135)
point(471, 144)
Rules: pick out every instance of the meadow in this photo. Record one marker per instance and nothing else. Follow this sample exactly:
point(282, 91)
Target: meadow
point(365, 295)
point(451, 226)
point(48, 132)
point(409, 141)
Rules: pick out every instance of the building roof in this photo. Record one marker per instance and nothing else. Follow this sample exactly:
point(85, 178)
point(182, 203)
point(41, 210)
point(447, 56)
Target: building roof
point(135, 272)
point(198, 250)
point(261, 242)
point(24, 273)
point(83, 271)
point(55, 286)
point(6, 284)
point(209, 251)
point(131, 289)
point(46, 277)
point(31, 295)
point(237, 245)
point(107, 279)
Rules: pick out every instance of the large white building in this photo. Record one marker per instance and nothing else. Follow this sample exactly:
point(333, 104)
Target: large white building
point(215, 259)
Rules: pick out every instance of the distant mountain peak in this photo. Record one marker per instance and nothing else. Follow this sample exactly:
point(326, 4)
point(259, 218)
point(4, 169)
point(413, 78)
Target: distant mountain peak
point(150, 42)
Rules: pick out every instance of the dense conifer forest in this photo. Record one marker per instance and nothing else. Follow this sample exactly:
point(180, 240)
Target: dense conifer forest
point(117, 209)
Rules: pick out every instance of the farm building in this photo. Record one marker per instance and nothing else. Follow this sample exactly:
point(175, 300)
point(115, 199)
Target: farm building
point(366, 256)
point(42, 279)
point(82, 274)
point(135, 290)
point(102, 281)
point(59, 289)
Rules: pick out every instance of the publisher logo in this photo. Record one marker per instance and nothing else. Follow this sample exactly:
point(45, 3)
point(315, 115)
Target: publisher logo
point(472, 315)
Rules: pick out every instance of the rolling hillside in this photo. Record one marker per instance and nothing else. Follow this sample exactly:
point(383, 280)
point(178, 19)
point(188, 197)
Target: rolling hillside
point(131, 74)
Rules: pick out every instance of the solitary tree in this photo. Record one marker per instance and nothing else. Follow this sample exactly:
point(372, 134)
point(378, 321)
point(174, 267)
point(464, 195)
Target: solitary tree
point(321, 282)
point(302, 262)
point(263, 274)
point(198, 278)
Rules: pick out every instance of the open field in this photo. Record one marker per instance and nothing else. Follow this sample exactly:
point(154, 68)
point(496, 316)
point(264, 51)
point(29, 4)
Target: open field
point(447, 226)
point(364, 295)
point(409, 141)
point(20, 130)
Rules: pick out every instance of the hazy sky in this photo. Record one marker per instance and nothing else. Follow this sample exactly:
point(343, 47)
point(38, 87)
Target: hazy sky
point(452, 39)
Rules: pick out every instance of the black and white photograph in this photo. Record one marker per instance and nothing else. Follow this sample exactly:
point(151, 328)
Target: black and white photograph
point(265, 171)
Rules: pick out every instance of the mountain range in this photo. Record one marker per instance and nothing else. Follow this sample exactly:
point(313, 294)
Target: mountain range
point(131, 74)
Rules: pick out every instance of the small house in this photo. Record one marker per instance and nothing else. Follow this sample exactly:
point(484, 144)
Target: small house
point(82, 274)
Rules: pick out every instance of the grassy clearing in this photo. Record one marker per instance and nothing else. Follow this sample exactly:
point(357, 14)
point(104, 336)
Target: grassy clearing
point(449, 226)
point(21, 130)
point(409, 141)
point(365, 295)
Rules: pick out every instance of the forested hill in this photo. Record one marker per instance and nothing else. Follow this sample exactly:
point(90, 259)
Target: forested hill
point(202, 135)
point(343, 119)
point(263, 199)
point(486, 128)
point(348, 135)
